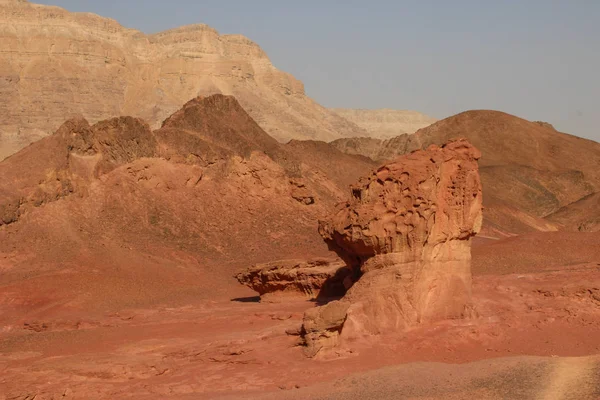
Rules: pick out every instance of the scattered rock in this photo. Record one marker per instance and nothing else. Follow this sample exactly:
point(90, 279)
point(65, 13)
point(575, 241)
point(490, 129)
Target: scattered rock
point(545, 124)
point(294, 331)
point(281, 317)
point(301, 193)
point(36, 326)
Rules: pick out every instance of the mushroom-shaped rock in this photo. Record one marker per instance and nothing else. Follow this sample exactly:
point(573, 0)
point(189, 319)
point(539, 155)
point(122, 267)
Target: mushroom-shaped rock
point(407, 229)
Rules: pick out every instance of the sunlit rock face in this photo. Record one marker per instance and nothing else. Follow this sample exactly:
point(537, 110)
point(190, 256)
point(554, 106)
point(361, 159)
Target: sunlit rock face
point(406, 231)
point(57, 64)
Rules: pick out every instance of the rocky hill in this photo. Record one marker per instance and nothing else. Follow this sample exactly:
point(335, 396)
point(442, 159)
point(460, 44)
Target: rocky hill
point(56, 64)
point(124, 214)
point(386, 123)
point(529, 170)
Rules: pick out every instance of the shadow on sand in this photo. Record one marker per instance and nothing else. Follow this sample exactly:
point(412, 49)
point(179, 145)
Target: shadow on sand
point(251, 299)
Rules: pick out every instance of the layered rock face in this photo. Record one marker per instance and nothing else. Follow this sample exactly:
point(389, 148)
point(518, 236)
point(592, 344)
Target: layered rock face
point(285, 279)
point(386, 123)
point(408, 229)
point(58, 64)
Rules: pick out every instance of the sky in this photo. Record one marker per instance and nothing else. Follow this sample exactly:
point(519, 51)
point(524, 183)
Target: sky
point(537, 59)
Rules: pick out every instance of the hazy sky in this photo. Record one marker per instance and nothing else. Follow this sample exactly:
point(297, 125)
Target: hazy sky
point(538, 59)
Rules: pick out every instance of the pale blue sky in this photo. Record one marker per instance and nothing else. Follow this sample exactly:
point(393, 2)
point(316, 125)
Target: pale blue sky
point(538, 59)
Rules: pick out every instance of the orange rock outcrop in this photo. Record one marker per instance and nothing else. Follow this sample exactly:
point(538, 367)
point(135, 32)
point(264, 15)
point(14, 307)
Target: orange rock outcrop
point(407, 230)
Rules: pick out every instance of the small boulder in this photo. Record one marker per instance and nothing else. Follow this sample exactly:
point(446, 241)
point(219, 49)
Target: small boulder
point(285, 279)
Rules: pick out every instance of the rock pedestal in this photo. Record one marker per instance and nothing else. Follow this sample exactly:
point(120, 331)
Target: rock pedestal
point(407, 229)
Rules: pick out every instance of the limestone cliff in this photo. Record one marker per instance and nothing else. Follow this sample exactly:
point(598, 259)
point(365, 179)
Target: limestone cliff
point(386, 123)
point(56, 64)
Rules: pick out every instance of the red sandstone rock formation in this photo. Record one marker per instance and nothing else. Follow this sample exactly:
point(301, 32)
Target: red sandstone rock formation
point(408, 228)
point(114, 214)
point(316, 278)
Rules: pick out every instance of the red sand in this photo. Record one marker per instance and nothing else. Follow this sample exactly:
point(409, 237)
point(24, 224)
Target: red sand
point(224, 347)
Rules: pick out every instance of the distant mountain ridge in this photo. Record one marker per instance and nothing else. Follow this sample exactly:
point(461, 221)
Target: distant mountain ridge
point(57, 64)
point(386, 123)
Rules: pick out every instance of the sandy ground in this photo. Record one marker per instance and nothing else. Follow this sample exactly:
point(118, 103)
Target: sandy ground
point(240, 348)
point(503, 378)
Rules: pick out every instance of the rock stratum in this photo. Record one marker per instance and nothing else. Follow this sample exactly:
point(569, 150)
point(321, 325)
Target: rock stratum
point(386, 123)
point(56, 64)
point(534, 177)
point(408, 229)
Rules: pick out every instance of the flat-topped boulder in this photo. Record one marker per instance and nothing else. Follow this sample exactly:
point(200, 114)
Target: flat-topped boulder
point(298, 279)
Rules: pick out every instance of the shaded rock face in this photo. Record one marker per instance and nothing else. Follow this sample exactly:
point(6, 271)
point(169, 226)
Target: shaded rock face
point(407, 229)
point(313, 279)
point(67, 162)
